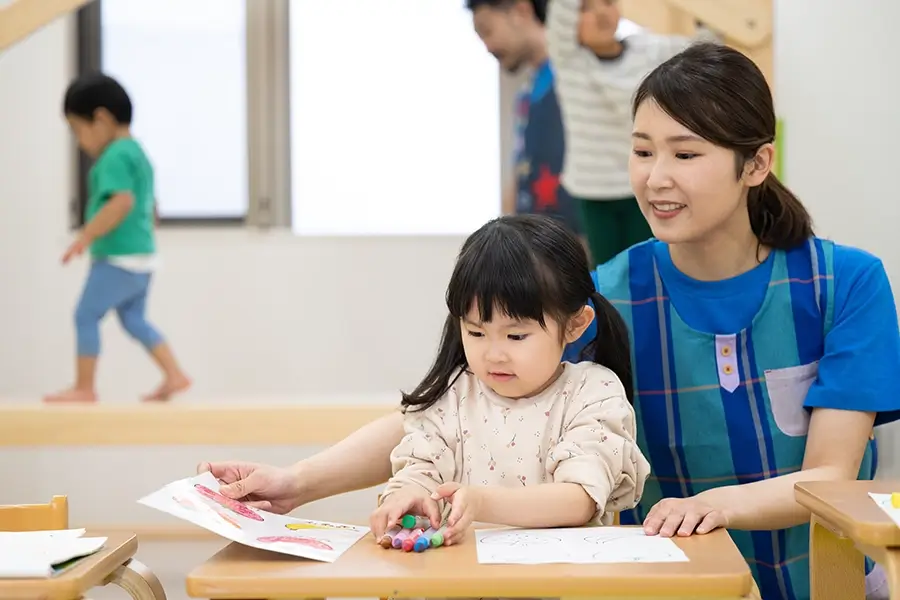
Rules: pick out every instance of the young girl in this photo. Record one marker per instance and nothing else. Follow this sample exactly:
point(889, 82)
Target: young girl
point(500, 427)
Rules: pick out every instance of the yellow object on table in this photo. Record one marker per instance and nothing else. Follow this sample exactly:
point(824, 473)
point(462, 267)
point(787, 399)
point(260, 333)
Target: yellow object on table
point(895, 499)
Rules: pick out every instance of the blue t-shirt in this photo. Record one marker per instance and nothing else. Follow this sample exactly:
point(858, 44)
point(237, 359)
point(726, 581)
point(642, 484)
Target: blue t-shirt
point(539, 152)
point(862, 349)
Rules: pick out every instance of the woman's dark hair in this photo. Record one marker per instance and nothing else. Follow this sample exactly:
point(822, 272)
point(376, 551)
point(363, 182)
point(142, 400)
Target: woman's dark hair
point(722, 96)
point(526, 266)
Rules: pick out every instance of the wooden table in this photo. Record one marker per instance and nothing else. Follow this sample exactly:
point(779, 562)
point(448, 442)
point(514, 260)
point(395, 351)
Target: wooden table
point(716, 570)
point(846, 523)
point(113, 564)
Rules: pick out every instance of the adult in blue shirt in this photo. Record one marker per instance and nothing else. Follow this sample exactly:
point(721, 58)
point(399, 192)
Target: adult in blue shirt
point(763, 355)
point(513, 32)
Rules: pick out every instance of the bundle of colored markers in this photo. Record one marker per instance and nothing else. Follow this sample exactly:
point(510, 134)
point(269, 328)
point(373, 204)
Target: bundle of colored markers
point(413, 534)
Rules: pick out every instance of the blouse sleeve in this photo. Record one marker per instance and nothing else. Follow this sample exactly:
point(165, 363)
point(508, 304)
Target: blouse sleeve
point(598, 449)
point(426, 454)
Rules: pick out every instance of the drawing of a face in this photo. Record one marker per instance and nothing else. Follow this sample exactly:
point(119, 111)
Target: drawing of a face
point(293, 539)
point(232, 505)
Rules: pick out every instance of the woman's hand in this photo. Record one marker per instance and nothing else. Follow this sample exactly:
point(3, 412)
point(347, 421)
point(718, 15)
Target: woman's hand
point(411, 499)
point(466, 504)
point(684, 517)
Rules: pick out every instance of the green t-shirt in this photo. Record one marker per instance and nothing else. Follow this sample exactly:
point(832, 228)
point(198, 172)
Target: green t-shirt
point(123, 167)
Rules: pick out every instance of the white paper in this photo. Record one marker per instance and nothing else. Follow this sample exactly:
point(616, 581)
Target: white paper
point(884, 501)
point(579, 545)
point(34, 554)
point(196, 499)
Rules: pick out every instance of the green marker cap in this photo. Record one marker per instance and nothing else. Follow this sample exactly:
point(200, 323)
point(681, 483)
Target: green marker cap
point(408, 521)
point(437, 539)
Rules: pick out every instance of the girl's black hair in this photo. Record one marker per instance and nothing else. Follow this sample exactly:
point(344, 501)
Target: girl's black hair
point(526, 266)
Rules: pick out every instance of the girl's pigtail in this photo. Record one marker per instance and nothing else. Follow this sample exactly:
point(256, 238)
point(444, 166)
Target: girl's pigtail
point(611, 347)
point(450, 363)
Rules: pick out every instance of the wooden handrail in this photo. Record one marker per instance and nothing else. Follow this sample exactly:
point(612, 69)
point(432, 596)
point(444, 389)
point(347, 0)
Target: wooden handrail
point(20, 18)
point(182, 424)
point(745, 25)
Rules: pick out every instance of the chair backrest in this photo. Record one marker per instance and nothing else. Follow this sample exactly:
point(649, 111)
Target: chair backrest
point(36, 517)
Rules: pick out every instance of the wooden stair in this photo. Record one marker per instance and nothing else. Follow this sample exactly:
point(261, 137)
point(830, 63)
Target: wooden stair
point(20, 18)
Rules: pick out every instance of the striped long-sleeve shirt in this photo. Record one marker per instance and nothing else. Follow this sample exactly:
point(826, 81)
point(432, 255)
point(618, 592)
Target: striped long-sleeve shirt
point(595, 99)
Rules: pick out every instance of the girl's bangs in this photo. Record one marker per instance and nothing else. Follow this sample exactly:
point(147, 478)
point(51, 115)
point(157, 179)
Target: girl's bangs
point(498, 276)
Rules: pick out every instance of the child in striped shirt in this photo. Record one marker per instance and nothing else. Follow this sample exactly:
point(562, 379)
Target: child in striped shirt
point(597, 75)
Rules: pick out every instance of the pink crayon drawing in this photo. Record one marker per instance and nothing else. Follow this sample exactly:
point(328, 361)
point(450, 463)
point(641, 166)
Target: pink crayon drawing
point(292, 539)
point(232, 505)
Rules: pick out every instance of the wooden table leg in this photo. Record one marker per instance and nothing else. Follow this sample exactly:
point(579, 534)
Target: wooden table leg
point(137, 580)
point(837, 568)
point(891, 564)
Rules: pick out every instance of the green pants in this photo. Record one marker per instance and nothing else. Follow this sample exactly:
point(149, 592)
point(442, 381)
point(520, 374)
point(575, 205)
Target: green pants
point(612, 226)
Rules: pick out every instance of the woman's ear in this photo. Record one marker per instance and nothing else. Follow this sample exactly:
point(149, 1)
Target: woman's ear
point(758, 168)
point(579, 324)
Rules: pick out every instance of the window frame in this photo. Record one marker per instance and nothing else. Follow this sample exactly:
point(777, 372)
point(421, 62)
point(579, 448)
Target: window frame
point(259, 48)
point(268, 120)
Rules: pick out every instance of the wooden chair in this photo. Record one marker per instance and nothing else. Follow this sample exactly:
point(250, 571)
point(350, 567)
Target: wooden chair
point(36, 517)
point(133, 577)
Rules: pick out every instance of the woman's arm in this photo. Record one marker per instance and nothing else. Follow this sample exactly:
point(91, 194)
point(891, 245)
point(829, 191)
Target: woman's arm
point(770, 504)
point(359, 461)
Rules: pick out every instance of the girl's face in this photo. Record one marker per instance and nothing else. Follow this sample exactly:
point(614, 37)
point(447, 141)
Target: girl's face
point(514, 358)
point(687, 187)
point(598, 23)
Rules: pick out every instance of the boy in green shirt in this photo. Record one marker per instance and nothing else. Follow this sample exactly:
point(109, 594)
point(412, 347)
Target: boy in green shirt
point(119, 231)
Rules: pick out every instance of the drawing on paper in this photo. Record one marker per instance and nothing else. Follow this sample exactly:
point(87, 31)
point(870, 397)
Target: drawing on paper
point(615, 537)
point(227, 518)
point(185, 502)
point(519, 540)
point(632, 546)
point(196, 500)
point(574, 545)
point(320, 525)
point(294, 539)
point(232, 505)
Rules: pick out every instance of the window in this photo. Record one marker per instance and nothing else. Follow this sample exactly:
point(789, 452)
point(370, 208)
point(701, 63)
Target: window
point(394, 119)
point(184, 64)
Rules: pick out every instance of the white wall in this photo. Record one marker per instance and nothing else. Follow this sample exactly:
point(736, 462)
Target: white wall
point(310, 309)
point(837, 77)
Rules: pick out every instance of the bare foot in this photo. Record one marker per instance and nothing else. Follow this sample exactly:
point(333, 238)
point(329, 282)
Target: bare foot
point(72, 395)
point(168, 388)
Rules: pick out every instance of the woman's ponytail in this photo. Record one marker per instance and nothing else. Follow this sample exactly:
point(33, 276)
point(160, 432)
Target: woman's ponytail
point(611, 347)
point(777, 217)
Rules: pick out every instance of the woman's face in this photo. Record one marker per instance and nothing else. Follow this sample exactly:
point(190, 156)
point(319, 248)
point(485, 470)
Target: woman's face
point(687, 187)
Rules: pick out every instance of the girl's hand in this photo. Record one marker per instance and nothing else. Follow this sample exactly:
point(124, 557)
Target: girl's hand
point(466, 504)
point(684, 517)
point(412, 499)
point(274, 489)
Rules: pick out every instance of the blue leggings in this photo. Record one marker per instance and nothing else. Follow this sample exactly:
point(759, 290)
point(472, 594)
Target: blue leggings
point(111, 287)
